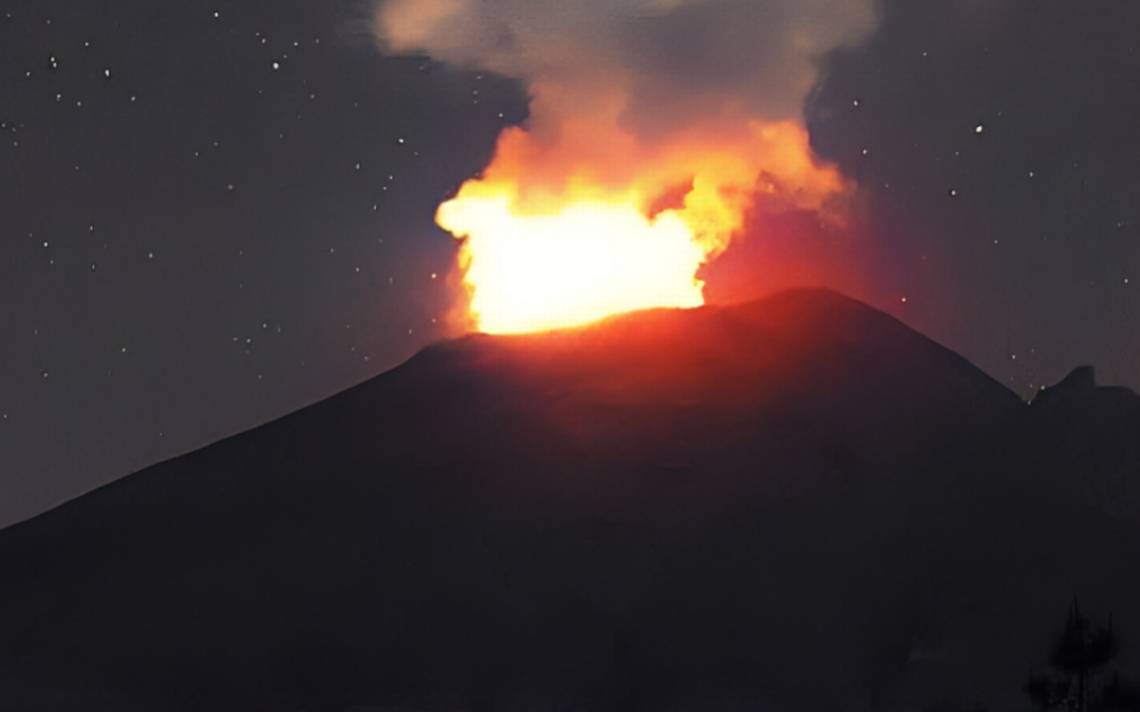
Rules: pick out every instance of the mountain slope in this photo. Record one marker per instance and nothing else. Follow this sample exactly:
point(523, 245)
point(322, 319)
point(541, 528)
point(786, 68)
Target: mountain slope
point(792, 503)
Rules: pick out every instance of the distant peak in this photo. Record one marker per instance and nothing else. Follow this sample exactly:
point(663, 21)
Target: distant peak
point(1081, 379)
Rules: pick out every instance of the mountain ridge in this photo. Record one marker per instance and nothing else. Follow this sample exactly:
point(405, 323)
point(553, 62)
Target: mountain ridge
point(821, 297)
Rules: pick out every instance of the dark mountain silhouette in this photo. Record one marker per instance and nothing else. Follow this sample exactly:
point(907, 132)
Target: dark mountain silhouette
point(792, 504)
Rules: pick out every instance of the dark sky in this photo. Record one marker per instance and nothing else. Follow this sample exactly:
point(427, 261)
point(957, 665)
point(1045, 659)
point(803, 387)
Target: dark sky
point(217, 212)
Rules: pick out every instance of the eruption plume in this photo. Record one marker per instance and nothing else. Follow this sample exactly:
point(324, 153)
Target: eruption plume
point(654, 126)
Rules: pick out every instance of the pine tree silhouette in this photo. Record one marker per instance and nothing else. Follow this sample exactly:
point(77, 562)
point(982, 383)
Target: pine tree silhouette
point(1078, 653)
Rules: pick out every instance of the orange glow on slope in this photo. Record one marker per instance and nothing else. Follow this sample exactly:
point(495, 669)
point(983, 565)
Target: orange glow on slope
point(565, 231)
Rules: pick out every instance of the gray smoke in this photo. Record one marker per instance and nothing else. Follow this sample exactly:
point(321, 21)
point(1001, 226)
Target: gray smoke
point(670, 63)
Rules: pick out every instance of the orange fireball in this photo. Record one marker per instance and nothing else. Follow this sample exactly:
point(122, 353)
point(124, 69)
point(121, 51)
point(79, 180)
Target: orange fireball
point(565, 231)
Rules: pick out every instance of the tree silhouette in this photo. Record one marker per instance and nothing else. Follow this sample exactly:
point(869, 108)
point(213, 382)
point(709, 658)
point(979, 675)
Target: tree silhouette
point(1079, 652)
point(1119, 696)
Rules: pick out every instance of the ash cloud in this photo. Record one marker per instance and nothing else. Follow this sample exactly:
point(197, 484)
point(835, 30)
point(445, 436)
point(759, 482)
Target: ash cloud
point(664, 64)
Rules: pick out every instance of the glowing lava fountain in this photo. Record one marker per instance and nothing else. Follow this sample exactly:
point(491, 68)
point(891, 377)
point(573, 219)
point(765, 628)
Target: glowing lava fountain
point(554, 236)
point(588, 260)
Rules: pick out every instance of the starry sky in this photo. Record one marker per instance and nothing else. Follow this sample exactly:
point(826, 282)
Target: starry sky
point(214, 213)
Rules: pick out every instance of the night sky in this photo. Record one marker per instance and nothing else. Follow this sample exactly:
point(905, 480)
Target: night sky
point(215, 213)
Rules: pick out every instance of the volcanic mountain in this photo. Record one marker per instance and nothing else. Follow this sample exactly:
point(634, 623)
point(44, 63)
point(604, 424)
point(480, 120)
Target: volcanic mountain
point(792, 504)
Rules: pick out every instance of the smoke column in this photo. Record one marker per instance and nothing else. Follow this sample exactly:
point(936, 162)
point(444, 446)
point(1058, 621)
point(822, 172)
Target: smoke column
point(654, 126)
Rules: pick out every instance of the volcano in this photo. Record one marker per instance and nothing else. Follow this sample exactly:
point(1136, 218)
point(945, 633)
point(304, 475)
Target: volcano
point(792, 504)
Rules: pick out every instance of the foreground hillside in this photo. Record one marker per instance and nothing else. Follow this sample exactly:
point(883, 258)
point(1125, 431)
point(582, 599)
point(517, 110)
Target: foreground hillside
point(785, 505)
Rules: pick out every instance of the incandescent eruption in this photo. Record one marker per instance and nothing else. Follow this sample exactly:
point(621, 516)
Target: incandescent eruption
point(654, 126)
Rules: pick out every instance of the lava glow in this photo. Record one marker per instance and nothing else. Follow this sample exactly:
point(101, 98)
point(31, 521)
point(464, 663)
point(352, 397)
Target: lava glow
point(566, 232)
point(583, 262)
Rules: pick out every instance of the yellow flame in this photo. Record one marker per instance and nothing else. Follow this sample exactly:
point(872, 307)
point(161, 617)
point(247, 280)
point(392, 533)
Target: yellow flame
point(561, 233)
point(585, 261)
